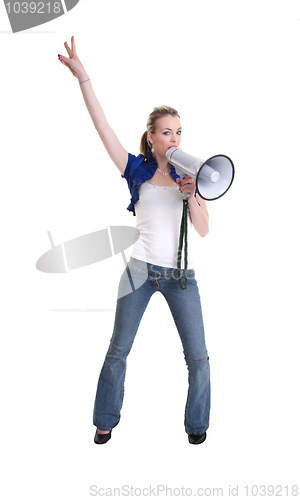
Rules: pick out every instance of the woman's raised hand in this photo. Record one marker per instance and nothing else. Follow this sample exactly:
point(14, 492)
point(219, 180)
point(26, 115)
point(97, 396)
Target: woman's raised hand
point(111, 142)
point(72, 62)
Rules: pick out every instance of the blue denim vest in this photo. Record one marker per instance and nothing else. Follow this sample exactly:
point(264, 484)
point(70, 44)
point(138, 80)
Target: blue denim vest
point(138, 170)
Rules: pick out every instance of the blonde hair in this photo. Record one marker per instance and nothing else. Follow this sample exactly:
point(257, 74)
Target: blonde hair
point(153, 117)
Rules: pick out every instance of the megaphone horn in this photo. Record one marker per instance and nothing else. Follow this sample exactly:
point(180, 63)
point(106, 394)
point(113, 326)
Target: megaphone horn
point(213, 177)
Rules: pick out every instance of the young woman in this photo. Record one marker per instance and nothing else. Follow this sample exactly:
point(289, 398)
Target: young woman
point(156, 200)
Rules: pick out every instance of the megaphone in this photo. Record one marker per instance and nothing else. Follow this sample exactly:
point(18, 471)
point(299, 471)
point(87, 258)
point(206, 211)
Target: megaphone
point(213, 177)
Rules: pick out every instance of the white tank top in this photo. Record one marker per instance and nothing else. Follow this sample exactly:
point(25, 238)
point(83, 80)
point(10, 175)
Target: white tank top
point(158, 213)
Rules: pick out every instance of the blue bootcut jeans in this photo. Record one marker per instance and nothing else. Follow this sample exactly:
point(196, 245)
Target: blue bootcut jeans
point(138, 283)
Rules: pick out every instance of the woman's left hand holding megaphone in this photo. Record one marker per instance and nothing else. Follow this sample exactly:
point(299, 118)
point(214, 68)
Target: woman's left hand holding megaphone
point(197, 206)
point(187, 185)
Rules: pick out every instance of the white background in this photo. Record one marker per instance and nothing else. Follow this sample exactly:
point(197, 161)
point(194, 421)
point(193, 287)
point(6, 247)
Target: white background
point(231, 68)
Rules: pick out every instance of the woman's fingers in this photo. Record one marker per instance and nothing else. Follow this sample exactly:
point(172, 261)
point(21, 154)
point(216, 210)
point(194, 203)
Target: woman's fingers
point(187, 185)
point(73, 61)
point(64, 60)
point(186, 180)
point(73, 45)
point(68, 49)
point(71, 51)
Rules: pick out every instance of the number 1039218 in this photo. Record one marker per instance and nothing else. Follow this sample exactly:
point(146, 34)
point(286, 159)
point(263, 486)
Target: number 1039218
point(271, 490)
point(34, 7)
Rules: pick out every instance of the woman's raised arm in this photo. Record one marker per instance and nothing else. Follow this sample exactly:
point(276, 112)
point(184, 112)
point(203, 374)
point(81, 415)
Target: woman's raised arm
point(111, 142)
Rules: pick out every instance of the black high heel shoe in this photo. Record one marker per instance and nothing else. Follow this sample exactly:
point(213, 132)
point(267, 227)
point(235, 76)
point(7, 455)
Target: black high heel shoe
point(197, 438)
point(102, 438)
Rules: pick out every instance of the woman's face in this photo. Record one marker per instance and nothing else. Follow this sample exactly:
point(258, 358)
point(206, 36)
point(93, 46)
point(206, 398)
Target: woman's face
point(167, 135)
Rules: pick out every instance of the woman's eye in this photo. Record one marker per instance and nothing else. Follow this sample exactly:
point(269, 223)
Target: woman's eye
point(166, 133)
point(179, 132)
